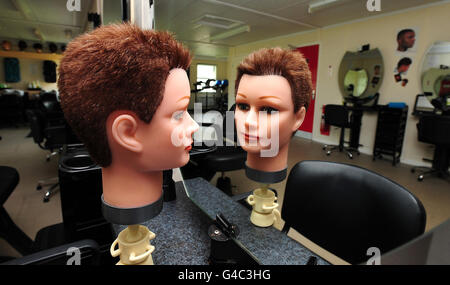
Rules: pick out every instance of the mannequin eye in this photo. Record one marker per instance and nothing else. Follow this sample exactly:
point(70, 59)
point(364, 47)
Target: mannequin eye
point(178, 115)
point(269, 110)
point(243, 107)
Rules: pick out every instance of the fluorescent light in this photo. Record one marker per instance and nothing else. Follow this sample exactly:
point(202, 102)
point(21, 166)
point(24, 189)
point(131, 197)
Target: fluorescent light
point(320, 4)
point(230, 33)
point(217, 22)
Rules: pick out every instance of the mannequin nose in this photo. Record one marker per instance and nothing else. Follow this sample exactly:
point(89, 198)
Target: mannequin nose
point(251, 121)
point(193, 126)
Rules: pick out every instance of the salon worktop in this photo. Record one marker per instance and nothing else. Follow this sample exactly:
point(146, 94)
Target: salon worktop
point(181, 230)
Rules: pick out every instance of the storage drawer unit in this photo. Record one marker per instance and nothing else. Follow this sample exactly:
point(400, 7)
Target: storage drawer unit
point(390, 132)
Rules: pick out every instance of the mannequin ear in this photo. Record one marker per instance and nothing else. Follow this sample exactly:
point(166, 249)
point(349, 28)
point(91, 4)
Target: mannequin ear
point(123, 130)
point(299, 118)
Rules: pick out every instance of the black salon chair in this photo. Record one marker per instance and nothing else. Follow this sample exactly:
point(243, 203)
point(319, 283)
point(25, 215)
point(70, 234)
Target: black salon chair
point(45, 238)
point(83, 252)
point(338, 115)
point(347, 209)
point(434, 129)
point(49, 242)
point(50, 107)
point(9, 179)
point(11, 108)
point(48, 137)
point(227, 157)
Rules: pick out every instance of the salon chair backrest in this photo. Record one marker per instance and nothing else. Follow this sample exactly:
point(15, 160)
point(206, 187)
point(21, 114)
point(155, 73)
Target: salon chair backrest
point(36, 125)
point(336, 115)
point(434, 129)
point(346, 209)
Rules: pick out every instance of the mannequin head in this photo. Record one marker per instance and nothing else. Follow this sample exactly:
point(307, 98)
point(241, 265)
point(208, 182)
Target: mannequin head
point(273, 90)
point(124, 91)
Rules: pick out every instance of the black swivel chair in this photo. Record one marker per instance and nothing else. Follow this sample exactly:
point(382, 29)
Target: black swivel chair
point(338, 115)
point(48, 137)
point(12, 108)
point(347, 209)
point(50, 236)
point(228, 156)
point(83, 252)
point(51, 243)
point(9, 179)
point(434, 129)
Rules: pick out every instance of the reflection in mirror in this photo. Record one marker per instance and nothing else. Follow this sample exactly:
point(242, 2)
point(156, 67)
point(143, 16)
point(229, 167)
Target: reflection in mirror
point(436, 71)
point(361, 75)
point(355, 82)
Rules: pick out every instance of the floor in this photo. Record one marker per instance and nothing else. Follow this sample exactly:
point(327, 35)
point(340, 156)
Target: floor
point(30, 213)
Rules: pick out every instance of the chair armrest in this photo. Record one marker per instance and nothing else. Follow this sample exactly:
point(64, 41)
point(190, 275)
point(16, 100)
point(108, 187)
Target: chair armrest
point(60, 255)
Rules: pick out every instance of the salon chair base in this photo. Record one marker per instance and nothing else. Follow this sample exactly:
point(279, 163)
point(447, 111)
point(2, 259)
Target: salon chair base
point(224, 184)
point(440, 165)
point(349, 150)
point(52, 190)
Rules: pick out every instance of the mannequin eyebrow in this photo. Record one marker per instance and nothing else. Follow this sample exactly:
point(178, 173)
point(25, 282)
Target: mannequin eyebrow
point(262, 97)
point(265, 97)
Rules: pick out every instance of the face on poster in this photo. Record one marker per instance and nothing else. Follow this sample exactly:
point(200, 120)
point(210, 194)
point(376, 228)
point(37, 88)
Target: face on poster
point(406, 40)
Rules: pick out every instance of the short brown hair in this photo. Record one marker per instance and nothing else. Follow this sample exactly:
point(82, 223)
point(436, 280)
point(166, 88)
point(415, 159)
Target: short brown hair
point(115, 67)
point(276, 61)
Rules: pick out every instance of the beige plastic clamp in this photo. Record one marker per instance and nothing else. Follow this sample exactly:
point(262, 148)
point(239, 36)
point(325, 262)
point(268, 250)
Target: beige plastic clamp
point(250, 200)
point(114, 252)
point(143, 256)
point(275, 205)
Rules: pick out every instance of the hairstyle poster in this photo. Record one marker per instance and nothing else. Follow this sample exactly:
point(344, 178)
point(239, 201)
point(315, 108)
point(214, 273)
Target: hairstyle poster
point(406, 40)
point(401, 70)
point(406, 46)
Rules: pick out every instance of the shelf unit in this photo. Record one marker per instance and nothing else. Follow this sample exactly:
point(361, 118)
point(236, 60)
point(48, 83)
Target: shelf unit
point(390, 132)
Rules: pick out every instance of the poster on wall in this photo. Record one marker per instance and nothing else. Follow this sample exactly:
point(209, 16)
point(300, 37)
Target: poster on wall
point(406, 46)
point(401, 70)
point(406, 40)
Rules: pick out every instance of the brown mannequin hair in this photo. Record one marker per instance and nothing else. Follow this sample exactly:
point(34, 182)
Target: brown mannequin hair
point(115, 67)
point(276, 61)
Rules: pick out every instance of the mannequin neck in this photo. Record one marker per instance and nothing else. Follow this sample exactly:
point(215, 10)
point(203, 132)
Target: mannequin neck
point(269, 164)
point(125, 187)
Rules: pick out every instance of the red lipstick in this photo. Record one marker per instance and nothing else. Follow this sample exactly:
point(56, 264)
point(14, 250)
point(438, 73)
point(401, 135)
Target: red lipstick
point(249, 137)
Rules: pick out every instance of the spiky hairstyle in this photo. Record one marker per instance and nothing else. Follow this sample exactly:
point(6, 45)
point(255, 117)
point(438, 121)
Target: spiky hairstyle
point(287, 63)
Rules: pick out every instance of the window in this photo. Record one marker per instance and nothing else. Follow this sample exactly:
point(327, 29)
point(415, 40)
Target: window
point(205, 72)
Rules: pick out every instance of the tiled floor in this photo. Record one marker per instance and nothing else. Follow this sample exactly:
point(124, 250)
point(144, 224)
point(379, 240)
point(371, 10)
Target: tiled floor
point(27, 209)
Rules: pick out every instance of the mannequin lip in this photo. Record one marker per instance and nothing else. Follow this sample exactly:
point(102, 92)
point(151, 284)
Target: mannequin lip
point(189, 147)
point(250, 137)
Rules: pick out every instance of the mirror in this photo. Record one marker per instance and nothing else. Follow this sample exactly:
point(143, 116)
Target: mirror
point(361, 75)
point(436, 71)
point(355, 82)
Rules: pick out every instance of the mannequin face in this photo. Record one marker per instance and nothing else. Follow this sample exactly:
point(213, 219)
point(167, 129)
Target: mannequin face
point(165, 142)
point(272, 94)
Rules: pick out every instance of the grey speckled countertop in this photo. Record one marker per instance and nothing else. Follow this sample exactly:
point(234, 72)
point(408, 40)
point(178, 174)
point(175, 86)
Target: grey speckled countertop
point(181, 230)
point(268, 245)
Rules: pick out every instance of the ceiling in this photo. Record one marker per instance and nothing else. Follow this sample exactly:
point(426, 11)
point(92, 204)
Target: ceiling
point(265, 18)
point(41, 20)
point(201, 24)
